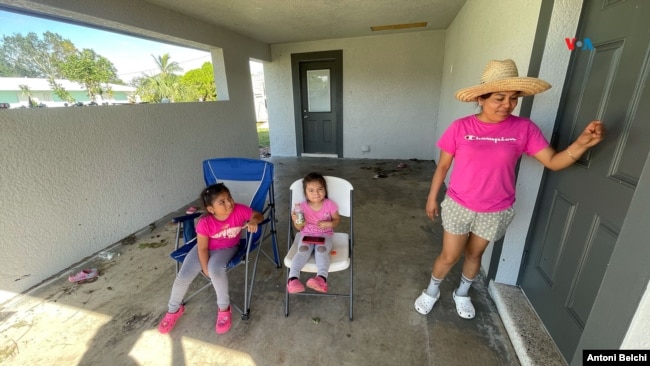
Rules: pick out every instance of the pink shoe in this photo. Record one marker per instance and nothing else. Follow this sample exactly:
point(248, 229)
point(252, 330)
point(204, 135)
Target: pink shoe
point(224, 321)
point(190, 210)
point(294, 286)
point(87, 275)
point(317, 284)
point(167, 323)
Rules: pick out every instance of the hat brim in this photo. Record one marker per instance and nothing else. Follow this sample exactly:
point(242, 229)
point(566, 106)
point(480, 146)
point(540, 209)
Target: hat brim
point(525, 85)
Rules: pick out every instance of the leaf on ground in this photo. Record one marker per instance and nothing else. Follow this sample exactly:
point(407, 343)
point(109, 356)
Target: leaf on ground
point(152, 245)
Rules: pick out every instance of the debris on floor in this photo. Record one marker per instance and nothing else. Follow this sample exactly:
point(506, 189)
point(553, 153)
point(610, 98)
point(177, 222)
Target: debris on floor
point(162, 243)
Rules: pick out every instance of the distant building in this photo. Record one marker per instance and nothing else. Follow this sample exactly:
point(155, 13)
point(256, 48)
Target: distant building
point(259, 93)
point(41, 92)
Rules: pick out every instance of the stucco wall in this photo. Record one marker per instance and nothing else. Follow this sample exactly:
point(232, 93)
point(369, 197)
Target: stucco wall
point(391, 87)
point(76, 180)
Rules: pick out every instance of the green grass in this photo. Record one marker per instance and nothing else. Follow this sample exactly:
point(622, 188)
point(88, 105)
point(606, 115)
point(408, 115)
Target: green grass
point(263, 137)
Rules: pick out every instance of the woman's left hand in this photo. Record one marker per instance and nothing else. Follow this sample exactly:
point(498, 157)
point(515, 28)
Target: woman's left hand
point(592, 135)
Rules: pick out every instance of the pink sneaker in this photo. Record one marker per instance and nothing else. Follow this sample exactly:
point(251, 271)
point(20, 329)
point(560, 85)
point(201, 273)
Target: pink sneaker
point(294, 286)
point(167, 323)
point(224, 321)
point(86, 275)
point(318, 284)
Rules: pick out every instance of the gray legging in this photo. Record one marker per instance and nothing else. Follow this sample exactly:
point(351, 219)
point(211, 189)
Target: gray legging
point(191, 267)
point(321, 254)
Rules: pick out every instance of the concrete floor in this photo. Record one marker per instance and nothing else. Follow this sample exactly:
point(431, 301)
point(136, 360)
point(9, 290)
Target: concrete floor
point(113, 320)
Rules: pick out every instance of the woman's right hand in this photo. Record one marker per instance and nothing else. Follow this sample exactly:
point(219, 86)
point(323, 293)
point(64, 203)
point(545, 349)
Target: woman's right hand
point(432, 208)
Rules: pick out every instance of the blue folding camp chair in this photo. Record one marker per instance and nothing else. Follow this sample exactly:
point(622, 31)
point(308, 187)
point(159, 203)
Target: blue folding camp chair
point(251, 183)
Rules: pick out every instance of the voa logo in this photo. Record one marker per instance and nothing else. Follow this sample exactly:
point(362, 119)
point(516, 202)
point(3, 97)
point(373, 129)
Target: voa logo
point(584, 45)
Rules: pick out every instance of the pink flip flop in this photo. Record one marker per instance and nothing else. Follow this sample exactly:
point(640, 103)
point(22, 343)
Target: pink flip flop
point(86, 275)
point(190, 210)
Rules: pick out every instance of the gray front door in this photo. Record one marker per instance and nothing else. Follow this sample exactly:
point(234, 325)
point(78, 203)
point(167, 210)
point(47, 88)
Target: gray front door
point(318, 100)
point(581, 209)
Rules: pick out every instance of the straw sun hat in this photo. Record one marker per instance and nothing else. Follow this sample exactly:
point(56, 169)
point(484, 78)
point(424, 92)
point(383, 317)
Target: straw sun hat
point(502, 76)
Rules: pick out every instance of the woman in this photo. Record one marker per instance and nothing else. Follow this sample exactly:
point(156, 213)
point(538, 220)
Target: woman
point(485, 148)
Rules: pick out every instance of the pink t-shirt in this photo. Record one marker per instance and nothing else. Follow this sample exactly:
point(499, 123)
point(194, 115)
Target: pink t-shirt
point(485, 155)
point(313, 217)
point(226, 233)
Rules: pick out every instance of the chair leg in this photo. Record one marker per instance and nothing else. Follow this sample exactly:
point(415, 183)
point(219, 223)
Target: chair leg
point(351, 293)
point(286, 297)
point(351, 286)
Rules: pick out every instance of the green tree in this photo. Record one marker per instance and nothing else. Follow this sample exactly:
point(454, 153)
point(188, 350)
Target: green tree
point(32, 103)
point(31, 56)
point(90, 70)
point(199, 84)
point(166, 82)
point(6, 70)
point(60, 92)
point(165, 66)
point(162, 86)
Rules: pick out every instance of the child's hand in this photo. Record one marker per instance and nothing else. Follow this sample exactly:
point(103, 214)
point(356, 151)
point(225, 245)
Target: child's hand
point(324, 224)
point(294, 217)
point(251, 227)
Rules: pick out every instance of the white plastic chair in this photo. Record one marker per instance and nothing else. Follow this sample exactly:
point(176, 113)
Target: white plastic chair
point(340, 191)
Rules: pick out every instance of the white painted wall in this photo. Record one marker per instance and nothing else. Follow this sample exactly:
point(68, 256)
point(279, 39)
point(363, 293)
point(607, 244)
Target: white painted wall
point(76, 180)
point(638, 335)
point(391, 89)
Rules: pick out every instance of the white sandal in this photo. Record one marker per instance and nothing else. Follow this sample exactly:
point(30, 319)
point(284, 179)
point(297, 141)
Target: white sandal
point(464, 306)
point(424, 303)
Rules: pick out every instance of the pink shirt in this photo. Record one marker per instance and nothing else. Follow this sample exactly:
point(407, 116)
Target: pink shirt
point(485, 155)
point(226, 233)
point(313, 217)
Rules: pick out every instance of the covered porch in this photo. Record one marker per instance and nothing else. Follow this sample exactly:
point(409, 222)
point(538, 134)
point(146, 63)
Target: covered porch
point(113, 320)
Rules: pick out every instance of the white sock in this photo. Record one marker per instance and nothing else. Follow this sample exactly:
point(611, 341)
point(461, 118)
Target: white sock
point(433, 289)
point(465, 284)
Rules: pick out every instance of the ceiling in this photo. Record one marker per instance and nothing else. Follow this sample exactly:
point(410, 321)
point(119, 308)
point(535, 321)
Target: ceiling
point(283, 21)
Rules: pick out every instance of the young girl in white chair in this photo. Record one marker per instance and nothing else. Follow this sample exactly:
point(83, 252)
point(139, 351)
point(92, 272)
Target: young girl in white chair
point(321, 216)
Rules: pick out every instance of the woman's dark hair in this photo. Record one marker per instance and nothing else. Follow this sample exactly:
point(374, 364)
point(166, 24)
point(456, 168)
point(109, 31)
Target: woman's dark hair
point(485, 96)
point(211, 192)
point(313, 177)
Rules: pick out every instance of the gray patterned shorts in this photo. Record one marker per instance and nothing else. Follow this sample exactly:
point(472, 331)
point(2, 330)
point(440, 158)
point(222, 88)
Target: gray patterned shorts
point(459, 220)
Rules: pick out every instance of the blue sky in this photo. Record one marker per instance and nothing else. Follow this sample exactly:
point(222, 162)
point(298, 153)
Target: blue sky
point(131, 56)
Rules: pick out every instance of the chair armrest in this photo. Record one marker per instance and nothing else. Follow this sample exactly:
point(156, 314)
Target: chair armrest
point(183, 218)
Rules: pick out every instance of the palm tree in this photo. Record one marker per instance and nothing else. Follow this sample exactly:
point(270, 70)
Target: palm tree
point(26, 91)
point(165, 83)
point(166, 67)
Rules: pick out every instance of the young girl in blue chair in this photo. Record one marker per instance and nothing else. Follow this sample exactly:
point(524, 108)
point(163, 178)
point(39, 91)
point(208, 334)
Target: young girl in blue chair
point(321, 216)
point(218, 233)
